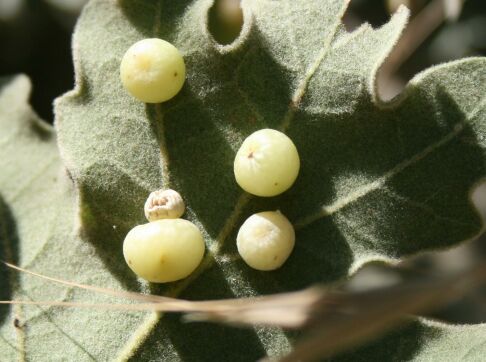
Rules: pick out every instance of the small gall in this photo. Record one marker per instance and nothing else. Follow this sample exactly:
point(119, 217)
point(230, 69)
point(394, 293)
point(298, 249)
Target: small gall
point(164, 204)
point(265, 240)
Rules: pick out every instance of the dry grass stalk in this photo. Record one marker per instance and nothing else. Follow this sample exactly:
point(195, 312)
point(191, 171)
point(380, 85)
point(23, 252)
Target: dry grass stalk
point(336, 320)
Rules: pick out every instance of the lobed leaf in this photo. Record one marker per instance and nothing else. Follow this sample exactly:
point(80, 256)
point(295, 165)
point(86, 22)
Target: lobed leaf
point(378, 181)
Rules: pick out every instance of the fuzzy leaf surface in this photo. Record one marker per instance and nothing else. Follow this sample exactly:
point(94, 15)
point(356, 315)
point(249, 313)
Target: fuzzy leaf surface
point(378, 181)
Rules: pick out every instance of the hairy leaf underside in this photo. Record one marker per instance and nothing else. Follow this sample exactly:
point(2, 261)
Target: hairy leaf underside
point(378, 181)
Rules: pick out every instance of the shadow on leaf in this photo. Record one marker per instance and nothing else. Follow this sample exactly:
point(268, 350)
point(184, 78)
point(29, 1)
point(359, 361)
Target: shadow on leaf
point(141, 13)
point(201, 341)
point(108, 216)
point(8, 252)
point(399, 345)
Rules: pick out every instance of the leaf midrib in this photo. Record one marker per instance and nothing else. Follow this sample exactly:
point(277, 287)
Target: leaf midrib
point(137, 339)
point(362, 191)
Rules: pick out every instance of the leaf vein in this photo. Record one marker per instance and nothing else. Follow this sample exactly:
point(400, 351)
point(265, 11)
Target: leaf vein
point(360, 192)
point(164, 152)
point(393, 194)
point(304, 83)
point(328, 210)
point(143, 331)
point(358, 231)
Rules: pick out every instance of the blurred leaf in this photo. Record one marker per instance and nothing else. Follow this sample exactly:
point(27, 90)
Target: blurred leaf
point(72, 7)
point(453, 8)
point(38, 229)
point(378, 181)
point(10, 9)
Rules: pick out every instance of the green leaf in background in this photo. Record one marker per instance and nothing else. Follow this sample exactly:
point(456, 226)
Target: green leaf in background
point(38, 229)
point(378, 181)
